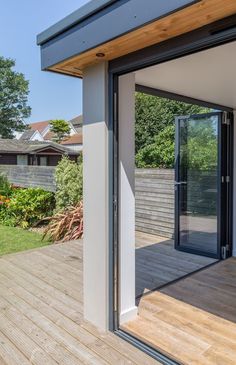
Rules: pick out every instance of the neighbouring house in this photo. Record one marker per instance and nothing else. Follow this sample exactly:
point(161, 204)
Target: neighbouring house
point(77, 123)
point(40, 131)
point(36, 153)
point(183, 50)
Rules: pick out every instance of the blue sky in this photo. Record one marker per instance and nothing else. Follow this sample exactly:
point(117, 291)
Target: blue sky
point(51, 96)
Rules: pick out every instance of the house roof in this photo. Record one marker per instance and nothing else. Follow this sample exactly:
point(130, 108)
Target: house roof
point(75, 139)
point(27, 135)
point(77, 121)
point(28, 147)
point(49, 136)
point(39, 126)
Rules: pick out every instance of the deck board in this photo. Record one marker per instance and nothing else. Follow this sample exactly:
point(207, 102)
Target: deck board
point(194, 319)
point(41, 308)
point(158, 263)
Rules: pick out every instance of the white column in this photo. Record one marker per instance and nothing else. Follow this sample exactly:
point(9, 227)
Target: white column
point(95, 162)
point(128, 310)
point(234, 188)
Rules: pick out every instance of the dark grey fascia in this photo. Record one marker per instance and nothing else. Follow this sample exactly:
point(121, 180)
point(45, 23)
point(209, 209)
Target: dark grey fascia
point(113, 20)
point(74, 18)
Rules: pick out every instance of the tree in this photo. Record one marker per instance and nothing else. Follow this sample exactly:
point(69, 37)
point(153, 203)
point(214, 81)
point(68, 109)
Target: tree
point(14, 90)
point(160, 153)
point(153, 114)
point(155, 129)
point(60, 129)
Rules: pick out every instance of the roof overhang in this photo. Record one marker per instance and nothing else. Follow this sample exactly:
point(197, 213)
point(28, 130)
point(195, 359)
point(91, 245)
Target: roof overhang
point(106, 29)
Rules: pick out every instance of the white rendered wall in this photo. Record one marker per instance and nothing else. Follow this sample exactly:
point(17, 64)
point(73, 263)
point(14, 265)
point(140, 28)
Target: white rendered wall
point(234, 189)
point(127, 307)
point(95, 162)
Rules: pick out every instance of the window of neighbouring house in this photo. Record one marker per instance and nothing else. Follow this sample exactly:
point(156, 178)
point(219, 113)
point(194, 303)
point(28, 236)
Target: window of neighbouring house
point(22, 160)
point(43, 161)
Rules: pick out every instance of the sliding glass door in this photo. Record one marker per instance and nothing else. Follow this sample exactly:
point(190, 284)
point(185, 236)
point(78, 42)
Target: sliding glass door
point(201, 184)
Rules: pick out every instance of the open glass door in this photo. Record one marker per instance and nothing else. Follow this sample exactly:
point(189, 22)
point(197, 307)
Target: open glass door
point(200, 178)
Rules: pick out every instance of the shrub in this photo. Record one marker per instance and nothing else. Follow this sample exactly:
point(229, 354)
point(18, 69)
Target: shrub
point(66, 226)
point(5, 186)
point(28, 206)
point(69, 183)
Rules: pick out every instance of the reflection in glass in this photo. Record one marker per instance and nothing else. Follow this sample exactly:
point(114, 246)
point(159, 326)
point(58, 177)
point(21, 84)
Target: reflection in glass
point(198, 194)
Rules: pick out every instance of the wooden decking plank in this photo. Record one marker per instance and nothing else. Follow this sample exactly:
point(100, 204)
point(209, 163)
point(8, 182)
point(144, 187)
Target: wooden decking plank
point(71, 260)
point(45, 265)
point(82, 353)
point(203, 309)
point(10, 353)
point(47, 343)
point(48, 277)
point(29, 348)
point(85, 338)
point(40, 285)
point(48, 299)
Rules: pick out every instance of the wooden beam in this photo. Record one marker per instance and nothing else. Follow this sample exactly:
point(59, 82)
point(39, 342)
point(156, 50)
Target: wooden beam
point(181, 22)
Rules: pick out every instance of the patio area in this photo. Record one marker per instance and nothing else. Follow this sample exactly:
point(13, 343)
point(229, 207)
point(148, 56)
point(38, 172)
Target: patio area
point(194, 319)
point(41, 306)
point(158, 263)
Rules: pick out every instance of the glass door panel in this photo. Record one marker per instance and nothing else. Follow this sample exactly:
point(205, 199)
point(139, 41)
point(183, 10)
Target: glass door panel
point(197, 185)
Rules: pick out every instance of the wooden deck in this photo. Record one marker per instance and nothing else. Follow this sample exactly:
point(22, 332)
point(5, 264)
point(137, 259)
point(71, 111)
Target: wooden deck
point(194, 319)
point(158, 263)
point(41, 313)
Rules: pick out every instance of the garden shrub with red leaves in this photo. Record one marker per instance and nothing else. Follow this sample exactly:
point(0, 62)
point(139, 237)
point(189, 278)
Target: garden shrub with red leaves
point(66, 225)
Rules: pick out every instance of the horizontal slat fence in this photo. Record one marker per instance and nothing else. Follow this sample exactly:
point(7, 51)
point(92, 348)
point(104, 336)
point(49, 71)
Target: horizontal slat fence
point(154, 199)
point(30, 176)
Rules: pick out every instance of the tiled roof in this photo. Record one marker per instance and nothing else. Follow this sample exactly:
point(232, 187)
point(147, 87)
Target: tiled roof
point(39, 126)
point(49, 136)
point(75, 139)
point(27, 135)
point(17, 146)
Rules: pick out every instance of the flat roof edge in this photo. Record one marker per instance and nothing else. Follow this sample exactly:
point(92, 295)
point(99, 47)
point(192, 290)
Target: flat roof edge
point(85, 11)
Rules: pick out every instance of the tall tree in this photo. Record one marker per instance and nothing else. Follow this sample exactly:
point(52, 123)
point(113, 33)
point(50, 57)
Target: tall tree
point(154, 114)
point(60, 129)
point(155, 129)
point(14, 90)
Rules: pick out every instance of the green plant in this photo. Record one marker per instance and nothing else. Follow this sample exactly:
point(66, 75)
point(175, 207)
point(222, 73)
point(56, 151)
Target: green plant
point(28, 206)
point(5, 186)
point(60, 128)
point(153, 114)
point(66, 226)
point(160, 153)
point(69, 183)
point(14, 90)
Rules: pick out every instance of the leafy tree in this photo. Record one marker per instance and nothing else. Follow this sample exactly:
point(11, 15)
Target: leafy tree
point(14, 90)
point(69, 183)
point(153, 114)
point(160, 153)
point(199, 149)
point(60, 129)
point(155, 130)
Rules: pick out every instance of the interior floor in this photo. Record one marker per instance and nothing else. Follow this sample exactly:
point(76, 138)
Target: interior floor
point(158, 262)
point(193, 320)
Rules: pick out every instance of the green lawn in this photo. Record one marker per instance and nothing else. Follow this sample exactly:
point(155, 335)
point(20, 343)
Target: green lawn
point(16, 239)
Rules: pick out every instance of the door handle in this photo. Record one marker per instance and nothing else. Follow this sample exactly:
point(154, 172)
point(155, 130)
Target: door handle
point(180, 183)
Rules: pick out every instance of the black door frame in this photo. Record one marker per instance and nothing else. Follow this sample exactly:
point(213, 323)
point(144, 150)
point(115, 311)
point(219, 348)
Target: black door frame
point(224, 178)
point(215, 34)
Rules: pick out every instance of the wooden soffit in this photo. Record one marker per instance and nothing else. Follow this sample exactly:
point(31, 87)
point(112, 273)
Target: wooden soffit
point(183, 21)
